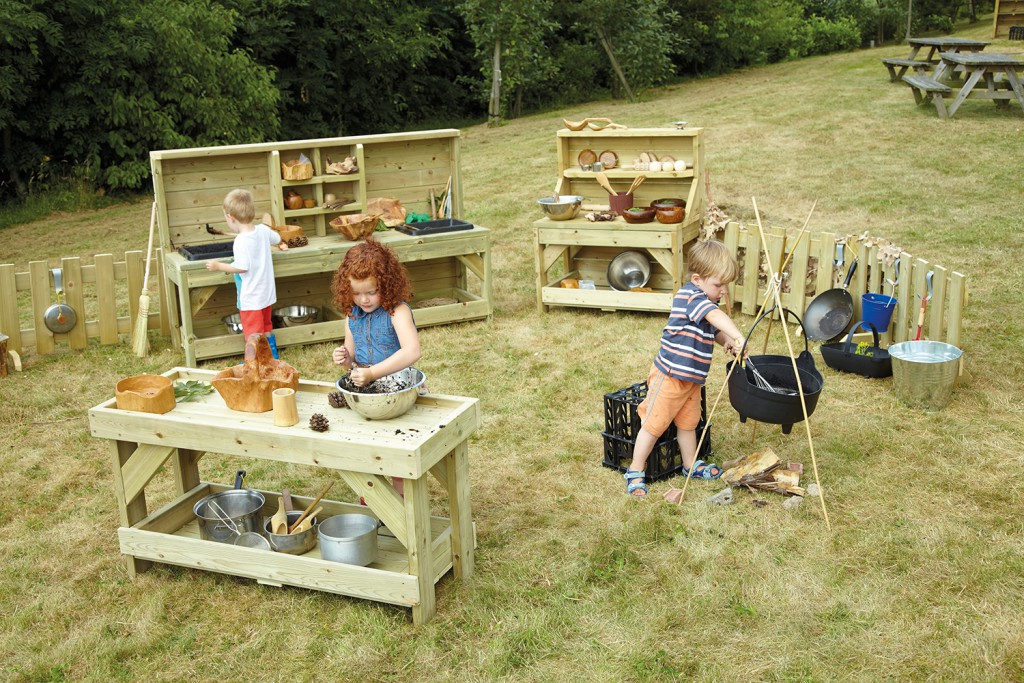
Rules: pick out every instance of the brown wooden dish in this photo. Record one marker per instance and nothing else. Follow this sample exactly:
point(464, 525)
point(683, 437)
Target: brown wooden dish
point(587, 156)
point(608, 159)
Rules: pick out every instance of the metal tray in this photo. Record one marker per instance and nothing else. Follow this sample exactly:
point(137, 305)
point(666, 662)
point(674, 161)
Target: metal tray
point(430, 227)
point(196, 252)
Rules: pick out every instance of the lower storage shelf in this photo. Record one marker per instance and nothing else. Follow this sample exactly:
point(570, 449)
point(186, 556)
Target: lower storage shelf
point(171, 536)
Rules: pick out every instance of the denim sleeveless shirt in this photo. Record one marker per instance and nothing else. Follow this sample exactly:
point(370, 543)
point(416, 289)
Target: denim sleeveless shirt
point(374, 335)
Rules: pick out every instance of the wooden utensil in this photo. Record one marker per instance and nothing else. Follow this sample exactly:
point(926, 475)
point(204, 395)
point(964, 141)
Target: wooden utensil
point(279, 522)
point(286, 496)
point(308, 521)
point(602, 180)
point(636, 183)
point(305, 513)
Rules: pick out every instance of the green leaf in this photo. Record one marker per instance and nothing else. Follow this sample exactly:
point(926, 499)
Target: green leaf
point(191, 390)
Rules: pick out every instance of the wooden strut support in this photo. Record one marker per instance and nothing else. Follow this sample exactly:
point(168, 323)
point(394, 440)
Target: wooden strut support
point(796, 372)
point(732, 369)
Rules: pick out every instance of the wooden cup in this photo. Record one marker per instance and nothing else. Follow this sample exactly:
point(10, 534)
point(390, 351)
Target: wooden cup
point(285, 411)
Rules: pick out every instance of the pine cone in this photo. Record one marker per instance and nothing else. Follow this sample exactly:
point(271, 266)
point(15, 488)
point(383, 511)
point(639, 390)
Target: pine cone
point(319, 423)
point(299, 241)
point(337, 399)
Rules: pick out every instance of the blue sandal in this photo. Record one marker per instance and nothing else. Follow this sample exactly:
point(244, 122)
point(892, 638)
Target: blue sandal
point(703, 470)
point(634, 483)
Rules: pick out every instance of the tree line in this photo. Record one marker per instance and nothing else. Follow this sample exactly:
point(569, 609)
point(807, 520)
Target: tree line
point(88, 88)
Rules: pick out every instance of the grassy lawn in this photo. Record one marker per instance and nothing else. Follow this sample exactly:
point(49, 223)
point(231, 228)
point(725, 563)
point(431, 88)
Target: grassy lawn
point(920, 577)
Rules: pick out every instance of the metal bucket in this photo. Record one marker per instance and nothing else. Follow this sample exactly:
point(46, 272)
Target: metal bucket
point(241, 506)
point(924, 373)
point(349, 538)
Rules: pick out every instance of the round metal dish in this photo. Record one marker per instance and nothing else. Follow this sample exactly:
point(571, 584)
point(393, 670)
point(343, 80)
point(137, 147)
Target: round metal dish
point(628, 270)
point(233, 322)
point(561, 209)
point(291, 316)
point(386, 404)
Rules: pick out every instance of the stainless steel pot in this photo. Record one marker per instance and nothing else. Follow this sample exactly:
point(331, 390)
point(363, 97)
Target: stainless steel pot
point(242, 507)
point(292, 544)
point(349, 538)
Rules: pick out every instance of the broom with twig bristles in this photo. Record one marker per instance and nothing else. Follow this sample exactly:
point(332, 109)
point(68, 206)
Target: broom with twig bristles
point(140, 335)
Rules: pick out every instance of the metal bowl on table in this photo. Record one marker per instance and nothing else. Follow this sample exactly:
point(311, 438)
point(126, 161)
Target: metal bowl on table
point(291, 316)
point(233, 322)
point(628, 270)
point(385, 398)
point(562, 207)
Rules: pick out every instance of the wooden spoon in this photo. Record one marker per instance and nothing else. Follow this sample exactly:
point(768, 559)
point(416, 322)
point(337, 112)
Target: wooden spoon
point(305, 513)
point(307, 522)
point(287, 497)
point(602, 180)
point(636, 183)
point(279, 522)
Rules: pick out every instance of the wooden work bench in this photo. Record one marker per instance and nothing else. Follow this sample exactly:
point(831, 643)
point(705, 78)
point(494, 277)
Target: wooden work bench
point(439, 265)
point(451, 269)
point(414, 551)
point(582, 249)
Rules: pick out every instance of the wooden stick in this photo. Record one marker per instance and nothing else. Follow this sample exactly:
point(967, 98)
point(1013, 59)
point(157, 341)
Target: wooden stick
point(305, 513)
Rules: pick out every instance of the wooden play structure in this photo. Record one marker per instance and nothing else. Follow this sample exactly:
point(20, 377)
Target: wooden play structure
point(1007, 15)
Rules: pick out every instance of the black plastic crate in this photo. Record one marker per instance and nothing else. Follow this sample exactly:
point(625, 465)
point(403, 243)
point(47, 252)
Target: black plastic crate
point(622, 424)
point(196, 252)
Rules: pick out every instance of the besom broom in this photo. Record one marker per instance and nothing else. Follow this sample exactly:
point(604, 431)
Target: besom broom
point(140, 335)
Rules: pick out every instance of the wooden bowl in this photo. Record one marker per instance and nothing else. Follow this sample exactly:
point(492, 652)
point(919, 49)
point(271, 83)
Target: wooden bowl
point(356, 226)
point(639, 215)
point(145, 394)
point(671, 214)
point(288, 232)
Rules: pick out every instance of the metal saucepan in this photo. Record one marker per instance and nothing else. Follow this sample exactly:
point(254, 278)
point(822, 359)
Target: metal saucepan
point(59, 318)
point(830, 312)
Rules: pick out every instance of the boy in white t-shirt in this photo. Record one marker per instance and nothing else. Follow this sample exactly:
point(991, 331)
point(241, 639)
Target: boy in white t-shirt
point(257, 292)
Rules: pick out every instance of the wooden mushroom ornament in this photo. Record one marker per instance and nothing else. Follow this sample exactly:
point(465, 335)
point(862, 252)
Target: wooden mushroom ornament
point(249, 387)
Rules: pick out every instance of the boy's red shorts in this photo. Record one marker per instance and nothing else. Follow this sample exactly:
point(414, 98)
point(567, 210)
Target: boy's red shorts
point(669, 400)
point(256, 321)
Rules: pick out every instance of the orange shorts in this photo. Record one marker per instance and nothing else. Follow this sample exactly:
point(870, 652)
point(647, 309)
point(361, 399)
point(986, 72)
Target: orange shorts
point(669, 400)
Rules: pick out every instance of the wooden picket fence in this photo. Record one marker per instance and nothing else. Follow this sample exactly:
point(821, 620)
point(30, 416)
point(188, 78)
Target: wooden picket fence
point(811, 271)
point(104, 295)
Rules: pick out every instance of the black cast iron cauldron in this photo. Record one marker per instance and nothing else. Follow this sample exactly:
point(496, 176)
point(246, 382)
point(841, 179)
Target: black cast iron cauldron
point(763, 405)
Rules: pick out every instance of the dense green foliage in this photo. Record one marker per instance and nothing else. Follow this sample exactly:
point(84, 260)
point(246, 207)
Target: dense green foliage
point(88, 89)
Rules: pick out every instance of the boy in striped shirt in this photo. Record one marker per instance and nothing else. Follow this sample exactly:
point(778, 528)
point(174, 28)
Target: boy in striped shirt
point(695, 324)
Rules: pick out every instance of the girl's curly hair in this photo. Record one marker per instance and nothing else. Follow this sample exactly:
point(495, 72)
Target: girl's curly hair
point(376, 260)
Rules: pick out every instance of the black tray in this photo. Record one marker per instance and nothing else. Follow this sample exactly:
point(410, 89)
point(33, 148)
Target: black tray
point(196, 252)
point(430, 227)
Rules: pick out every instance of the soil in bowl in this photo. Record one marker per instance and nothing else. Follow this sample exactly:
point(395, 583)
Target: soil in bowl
point(384, 385)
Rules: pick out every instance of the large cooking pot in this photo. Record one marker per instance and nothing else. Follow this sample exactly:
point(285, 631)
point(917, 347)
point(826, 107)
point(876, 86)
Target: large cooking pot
point(781, 404)
point(223, 516)
point(830, 312)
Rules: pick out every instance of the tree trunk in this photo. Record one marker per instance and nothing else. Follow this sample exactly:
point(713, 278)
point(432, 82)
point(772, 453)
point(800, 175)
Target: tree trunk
point(606, 44)
point(12, 170)
point(972, 12)
point(910, 17)
point(494, 108)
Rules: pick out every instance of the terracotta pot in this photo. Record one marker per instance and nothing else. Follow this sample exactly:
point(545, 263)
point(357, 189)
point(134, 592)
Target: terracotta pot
point(293, 200)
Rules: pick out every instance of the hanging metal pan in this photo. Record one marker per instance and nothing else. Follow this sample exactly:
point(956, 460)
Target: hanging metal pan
point(59, 318)
point(830, 313)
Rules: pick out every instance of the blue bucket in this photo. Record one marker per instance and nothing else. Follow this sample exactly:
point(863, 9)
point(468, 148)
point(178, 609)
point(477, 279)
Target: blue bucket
point(877, 309)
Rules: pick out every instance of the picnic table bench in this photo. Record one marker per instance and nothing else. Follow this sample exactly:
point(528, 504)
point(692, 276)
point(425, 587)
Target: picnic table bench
point(898, 66)
point(987, 75)
point(928, 89)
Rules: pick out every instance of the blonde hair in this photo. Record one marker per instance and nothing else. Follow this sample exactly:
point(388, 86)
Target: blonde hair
point(711, 258)
point(239, 205)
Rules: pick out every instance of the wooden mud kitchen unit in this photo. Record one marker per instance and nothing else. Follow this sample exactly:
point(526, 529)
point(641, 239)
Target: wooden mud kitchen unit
point(582, 249)
point(414, 550)
point(450, 269)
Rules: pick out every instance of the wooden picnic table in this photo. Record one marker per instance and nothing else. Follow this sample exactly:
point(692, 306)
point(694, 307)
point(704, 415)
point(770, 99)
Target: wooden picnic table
point(1000, 73)
point(898, 66)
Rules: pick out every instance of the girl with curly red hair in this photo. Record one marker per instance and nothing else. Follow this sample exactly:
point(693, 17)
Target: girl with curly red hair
point(371, 287)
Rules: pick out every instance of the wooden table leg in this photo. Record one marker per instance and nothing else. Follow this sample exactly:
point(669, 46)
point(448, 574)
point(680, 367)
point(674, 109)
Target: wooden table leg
point(1015, 85)
point(417, 519)
point(186, 469)
point(134, 511)
point(459, 511)
point(964, 92)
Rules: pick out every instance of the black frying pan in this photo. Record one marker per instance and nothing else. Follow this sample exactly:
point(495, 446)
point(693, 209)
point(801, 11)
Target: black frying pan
point(830, 312)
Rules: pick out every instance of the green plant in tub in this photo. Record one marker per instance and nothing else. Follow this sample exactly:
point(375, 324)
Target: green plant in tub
point(864, 349)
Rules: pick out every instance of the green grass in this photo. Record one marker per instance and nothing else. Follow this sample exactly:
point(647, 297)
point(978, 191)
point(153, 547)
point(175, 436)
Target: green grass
point(920, 577)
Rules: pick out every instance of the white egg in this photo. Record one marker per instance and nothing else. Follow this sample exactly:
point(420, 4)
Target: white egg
point(680, 165)
point(655, 166)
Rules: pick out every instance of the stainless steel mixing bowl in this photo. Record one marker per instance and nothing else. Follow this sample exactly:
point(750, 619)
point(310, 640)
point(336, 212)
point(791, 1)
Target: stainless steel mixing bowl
point(627, 270)
point(384, 406)
point(564, 208)
point(290, 316)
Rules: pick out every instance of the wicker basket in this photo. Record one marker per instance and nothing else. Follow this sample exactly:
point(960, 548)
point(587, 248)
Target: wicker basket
point(356, 226)
point(296, 170)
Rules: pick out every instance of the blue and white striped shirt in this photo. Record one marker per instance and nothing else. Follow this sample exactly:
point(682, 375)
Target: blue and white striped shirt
point(688, 339)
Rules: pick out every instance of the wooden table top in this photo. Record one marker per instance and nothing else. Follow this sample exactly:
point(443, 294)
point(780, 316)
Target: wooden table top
point(948, 41)
point(406, 446)
point(983, 58)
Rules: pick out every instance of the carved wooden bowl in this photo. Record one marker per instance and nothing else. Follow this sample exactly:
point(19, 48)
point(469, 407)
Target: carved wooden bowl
point(356, 226)
point(249, 387)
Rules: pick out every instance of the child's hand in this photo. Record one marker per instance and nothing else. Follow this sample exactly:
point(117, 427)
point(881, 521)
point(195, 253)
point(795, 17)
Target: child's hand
point(734, 346)
point(361, 376)
point(213, 265)
point(340, 356)
point(282, 245)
